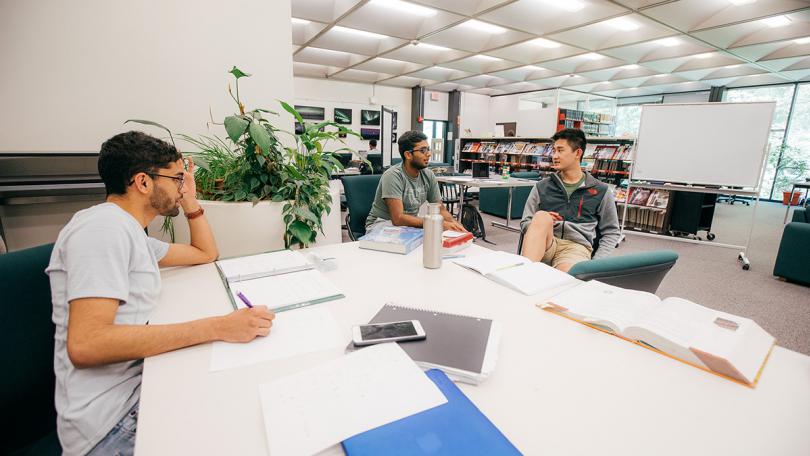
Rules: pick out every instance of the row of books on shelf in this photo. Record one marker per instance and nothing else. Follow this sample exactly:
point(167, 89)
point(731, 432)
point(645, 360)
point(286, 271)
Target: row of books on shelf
point(509, 148)
point(586, 116)
point(608, 152)
point(643, 197)
point(605, 166)
point(645, 219)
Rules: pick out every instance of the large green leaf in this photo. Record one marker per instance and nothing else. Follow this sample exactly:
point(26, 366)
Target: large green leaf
point(154, 124)
point(235, 126)
point(292, 111)
point(238, 73)
point(300, 230)
point(305, 213)
point(261, 136)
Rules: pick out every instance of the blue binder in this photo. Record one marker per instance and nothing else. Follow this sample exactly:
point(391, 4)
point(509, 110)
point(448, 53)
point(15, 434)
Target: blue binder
point(454, 428)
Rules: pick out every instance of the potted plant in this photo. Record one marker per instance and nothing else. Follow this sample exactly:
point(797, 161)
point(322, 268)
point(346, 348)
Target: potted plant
point(790, 167)
point(252, 166)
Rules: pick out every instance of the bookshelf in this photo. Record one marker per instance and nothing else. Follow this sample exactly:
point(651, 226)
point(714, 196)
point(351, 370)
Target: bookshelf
point(647, 210)
point(592, 123)
point(607, 158)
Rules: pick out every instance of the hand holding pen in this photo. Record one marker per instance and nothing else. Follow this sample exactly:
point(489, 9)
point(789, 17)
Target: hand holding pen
point(244, 325)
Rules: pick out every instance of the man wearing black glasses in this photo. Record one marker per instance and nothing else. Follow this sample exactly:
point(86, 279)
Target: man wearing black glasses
point(406, 186)
point(105, 283)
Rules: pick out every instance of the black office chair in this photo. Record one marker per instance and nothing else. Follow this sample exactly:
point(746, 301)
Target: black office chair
point(344, 158)
point(26, 343)
point(360, 191)
point(449, 194)
point(636, 271)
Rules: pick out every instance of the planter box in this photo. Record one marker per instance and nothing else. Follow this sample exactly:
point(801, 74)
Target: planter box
point(243, 229)
point(792, 200)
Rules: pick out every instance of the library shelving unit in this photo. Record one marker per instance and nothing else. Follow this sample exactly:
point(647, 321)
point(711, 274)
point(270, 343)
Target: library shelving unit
point(592, 123)
point(607, 158)
point(646, 210)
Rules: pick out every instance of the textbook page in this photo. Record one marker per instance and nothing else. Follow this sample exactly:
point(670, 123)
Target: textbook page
point(531, 279)
point(309, 411)
point(293, 333)
point(490, 262)
point(605, 305)
point(246, 267)
point(287, 289)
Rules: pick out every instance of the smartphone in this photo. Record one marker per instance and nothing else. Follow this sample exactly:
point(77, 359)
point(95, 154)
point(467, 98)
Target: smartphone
point(394, 331)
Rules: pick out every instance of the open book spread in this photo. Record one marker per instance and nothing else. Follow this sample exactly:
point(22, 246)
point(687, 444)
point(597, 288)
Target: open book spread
point(262, 265)
point(517, 272)
point(719, 342)
point(280, 280)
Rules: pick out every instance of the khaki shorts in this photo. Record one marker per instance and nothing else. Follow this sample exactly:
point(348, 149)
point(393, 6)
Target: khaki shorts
point(565, 251)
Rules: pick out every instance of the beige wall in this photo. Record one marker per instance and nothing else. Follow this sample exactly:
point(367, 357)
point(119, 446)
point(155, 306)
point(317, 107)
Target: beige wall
point(73, 72)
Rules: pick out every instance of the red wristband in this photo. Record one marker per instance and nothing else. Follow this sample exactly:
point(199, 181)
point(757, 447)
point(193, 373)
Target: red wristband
point(195, 214)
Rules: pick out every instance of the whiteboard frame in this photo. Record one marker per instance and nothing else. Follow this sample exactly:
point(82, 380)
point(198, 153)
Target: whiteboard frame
point(708, 185)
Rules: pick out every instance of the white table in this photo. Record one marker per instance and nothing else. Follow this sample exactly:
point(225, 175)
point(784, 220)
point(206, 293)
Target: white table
point(800, 185)
point(559, 388)
point(466, 182)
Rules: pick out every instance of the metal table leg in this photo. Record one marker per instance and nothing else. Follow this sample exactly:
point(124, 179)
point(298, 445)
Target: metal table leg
point(462, 189)
point(508, 215)
point(787, 211)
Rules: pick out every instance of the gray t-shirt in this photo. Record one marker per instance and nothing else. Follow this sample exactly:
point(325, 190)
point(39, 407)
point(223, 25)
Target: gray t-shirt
point(413, 191)
point(102, 252)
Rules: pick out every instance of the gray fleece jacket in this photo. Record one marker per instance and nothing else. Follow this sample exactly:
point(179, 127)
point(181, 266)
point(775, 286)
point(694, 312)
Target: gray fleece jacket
point(589, 209)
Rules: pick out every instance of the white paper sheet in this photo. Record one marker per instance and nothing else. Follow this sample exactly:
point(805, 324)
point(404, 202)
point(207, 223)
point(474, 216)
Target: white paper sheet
point(307, 412)
point(532, 278)
point(246, 267)
point(487, 263)
point(286, 289)
point(294, 333)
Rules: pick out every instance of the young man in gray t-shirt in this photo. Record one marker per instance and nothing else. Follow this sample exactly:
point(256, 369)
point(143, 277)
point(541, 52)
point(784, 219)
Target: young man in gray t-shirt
point(105, 282)
point(405, 187)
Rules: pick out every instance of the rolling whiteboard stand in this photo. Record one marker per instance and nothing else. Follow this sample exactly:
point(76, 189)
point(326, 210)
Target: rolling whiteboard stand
point(726, 153)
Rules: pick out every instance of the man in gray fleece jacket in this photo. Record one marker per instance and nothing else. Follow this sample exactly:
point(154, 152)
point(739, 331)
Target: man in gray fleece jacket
point(565, 210)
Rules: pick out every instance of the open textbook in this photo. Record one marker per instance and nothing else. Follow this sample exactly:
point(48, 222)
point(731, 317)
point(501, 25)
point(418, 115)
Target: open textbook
point(516, 272)
point(722, 343)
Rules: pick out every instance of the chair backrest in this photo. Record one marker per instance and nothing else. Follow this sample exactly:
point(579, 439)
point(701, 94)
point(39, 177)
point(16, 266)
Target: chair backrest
point(376, 162)
point(344, 158)
point(636, 271)
point(26, 343)
point(534, 175)
point(449, 192)
point(801, 215)
point(360, 192)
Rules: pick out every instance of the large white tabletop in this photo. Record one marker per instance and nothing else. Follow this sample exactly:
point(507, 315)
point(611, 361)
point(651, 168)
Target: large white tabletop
point(559, 388)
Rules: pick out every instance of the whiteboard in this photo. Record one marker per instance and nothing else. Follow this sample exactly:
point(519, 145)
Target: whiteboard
point(719, 144)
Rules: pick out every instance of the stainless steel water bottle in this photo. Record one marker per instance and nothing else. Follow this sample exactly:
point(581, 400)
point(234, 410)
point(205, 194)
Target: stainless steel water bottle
point(433, 225)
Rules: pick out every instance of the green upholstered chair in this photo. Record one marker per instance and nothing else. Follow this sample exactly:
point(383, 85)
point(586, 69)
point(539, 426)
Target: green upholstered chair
point(793, 259)
point(493, 201)
point(360, 192)
point(26, 343)
point(636, 271)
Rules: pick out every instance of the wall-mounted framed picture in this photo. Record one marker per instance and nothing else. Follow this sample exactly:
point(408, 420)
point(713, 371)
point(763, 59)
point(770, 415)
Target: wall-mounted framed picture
point(369, 117)
point(370, 133)
point(310, 112)
point(299, 128)
point(343, 116)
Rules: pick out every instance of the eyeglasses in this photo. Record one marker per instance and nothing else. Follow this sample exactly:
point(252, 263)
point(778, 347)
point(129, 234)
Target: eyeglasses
point(180, 180)
point(421, 150)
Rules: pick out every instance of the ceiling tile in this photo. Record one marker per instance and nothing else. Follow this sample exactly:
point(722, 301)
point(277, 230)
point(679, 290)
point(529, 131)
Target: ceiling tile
point(605, 34)
point(464, 7)
point(301, 33)
point(483, 80)
point(378, 18)
point(390, 66)
point(438, 73)
point(425, 54)
point(547, 16)
point(584, 62)
point(327, 57)
point(654, 50)
point(535, 51)
point(311, 70)
point(480, 64)
point(346, 40)
point(406, 81)
point(526, 72)
point(359, 76)
point(321, 10)
point(468, 36)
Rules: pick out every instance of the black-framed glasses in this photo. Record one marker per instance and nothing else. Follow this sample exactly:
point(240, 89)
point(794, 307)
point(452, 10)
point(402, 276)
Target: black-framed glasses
point(180, 180)
point(422, 150)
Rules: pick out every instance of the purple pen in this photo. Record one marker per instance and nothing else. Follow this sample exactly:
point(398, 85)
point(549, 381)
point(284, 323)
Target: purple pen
point(244, 299)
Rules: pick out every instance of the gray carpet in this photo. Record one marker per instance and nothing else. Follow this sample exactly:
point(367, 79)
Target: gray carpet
point(712, 276)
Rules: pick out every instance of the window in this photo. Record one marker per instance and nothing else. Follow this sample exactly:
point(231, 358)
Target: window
point(435, 130)
point(627, 120)
point(783, 96)
point(794, 164)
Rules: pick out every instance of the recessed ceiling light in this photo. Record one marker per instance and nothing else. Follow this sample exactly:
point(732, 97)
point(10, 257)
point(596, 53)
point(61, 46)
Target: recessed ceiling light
point(732, 66)
point(804, 40)
point(406, 7)
point(705, 55)
point(487, 57)
point(632, 66)
point(432, 47)
point(776, 21)
point(442, 68)
point(622, 23)
point(741, 2)
point(668, 42)
point(545, 43)
point(358, 32)
point(568, 5)
point(533, 68)
point(484, 27)
point(295, 20)
point(660, 75)
point(593, 56)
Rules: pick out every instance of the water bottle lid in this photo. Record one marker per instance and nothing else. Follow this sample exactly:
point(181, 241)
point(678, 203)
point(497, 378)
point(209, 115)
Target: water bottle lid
point(433, 208)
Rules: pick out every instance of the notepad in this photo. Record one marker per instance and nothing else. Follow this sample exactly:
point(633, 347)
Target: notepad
point(455, 428)
point(262, 265)
point(517, 272)
point(309, 411)
point(464, 347)
point(287, 291)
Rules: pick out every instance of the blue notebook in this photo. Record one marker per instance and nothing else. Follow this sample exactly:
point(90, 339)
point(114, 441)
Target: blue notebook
point(454, 428)
point(394, 239)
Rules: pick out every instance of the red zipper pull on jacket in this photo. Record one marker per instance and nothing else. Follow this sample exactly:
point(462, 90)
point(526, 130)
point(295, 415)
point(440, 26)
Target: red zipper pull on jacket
point(579, 213)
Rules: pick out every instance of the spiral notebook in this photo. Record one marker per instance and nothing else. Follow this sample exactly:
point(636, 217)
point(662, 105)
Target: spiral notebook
point(464, 347)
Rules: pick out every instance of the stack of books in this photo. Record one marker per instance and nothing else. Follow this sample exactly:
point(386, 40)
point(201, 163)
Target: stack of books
point(394, 239)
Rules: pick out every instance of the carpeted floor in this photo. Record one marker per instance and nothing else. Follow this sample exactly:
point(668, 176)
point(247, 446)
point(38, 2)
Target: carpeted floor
point(712, 276)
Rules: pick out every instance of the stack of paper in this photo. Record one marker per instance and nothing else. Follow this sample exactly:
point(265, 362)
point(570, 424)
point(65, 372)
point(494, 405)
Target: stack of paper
point(307, 412)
